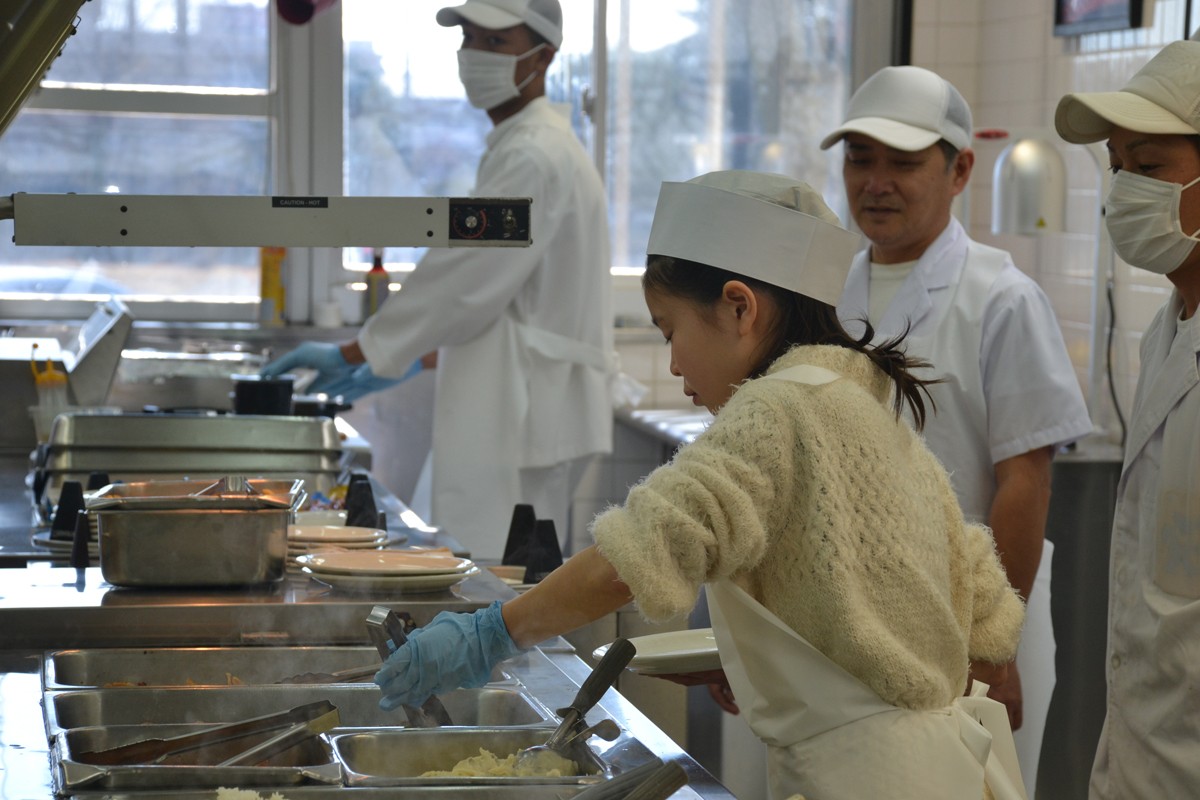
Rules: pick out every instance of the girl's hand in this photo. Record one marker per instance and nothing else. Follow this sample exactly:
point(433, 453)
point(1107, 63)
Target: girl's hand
point(715, 680)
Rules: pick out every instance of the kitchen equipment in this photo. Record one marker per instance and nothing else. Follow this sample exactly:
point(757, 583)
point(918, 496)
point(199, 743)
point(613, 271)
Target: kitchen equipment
point(401, 756)
point(598, 682)
point(297, 724)
point(222, 667)
point(621, 785)
point(341, 676)
point(230, 532)
point(358, 705)
point(386, 630)
point(139, 447)
point(310, 761)
point(255, 394)
point(87, 354)
point(661, 784)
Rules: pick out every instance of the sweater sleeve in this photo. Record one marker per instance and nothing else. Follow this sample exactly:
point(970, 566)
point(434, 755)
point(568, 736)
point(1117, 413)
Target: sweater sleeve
point(701, 517)
point(998, 611)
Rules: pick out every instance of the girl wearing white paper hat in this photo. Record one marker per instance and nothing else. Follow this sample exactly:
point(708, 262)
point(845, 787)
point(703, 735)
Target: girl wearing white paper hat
point(848, 595)
point(1150, 745)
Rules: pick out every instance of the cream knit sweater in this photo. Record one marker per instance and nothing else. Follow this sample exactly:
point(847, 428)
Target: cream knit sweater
point(834, 516)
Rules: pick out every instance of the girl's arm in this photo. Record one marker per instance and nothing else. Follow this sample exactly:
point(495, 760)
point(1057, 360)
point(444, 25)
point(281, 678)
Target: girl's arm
point(584, 589)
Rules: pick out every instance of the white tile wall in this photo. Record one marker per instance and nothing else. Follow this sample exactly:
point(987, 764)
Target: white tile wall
point(1018, 73)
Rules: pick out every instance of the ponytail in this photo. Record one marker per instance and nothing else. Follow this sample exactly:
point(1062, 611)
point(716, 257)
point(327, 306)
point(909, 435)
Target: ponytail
point(802, 321)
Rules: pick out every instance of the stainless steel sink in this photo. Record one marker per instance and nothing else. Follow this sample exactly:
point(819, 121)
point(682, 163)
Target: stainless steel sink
point(118, 667)
point(399, 757)
point(358, 706)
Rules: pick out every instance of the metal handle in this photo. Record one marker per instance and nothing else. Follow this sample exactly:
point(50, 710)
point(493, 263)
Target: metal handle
point(618, 656)
point(384, 626)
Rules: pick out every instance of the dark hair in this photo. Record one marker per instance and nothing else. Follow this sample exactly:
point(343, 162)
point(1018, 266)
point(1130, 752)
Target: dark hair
point(802, 320)
point(949, 151)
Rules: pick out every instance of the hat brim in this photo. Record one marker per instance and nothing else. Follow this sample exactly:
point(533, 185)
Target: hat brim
point(1084, 118)
point(891, 133)
point(485, 16)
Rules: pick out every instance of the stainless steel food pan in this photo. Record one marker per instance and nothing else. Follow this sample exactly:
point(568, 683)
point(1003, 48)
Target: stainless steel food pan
point(400, 757)
point(229, 493)
point(148, 432)
point(193, 548)
point(310, 761)
point(358, 705)
point(118, 667)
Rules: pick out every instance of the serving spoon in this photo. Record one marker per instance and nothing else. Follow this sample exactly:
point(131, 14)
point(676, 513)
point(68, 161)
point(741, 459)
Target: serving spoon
point(619, 654)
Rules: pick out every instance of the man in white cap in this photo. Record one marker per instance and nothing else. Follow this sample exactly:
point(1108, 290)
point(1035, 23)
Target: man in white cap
point(1009, 396)
point(1150, 745)
point(523, 335)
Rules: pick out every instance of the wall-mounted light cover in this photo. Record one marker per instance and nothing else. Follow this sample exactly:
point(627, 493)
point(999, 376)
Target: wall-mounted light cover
point(1029, 189)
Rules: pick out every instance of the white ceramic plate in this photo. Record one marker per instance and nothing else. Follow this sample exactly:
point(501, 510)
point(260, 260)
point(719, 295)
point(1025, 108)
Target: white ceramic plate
point(390, 563)
point(324, 516)
point(672, 652)
point(392, 583)
point(329, 534)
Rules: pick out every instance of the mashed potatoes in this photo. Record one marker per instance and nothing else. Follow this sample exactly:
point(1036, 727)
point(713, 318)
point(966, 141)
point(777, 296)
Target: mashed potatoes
point(544, 764)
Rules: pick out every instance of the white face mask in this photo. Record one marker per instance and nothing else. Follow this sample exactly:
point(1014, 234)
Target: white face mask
point(1142, 217)
point(489, 78)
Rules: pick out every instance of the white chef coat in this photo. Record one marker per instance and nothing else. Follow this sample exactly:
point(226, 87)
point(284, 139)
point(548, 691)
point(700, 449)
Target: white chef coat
point(524, 334)
point(1008, 388)
point(1150, 745)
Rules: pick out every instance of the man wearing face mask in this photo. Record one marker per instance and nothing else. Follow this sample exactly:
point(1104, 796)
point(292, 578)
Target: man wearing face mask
point(522, 335)
point(1150, 745)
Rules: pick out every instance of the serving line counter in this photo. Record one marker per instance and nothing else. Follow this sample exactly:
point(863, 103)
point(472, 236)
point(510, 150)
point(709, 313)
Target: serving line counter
point(45, 608)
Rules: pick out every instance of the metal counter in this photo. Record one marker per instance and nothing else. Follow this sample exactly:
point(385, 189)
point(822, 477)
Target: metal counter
point(49, 608)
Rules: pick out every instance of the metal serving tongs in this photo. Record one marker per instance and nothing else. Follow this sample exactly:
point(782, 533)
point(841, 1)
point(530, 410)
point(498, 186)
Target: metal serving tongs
point(619, 654)
point(384, 626)
point(653, 780)
point(294, 726)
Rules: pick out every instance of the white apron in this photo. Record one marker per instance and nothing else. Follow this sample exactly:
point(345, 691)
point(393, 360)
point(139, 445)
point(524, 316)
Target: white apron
point(484, 425)
point(829, 736)
point(959, 440)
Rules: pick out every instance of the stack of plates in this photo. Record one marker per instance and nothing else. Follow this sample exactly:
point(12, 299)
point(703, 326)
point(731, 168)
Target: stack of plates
point(315, 538)
point(391, 570)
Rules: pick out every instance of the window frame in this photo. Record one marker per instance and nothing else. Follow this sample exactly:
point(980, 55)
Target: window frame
point(304, 106)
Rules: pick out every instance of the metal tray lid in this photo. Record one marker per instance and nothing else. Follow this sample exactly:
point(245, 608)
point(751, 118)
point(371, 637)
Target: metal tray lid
point(226, 432)
point(232, 492)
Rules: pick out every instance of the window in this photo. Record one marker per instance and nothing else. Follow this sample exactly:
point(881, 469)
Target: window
point(177, 97)
point(149, 97)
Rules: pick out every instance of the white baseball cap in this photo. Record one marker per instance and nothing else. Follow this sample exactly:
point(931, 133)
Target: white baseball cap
point(1163, 97)
point(769, 227)
point(543, 16)
point(908, 108)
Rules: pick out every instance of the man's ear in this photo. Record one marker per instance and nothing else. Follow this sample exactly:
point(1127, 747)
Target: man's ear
point(742, 303)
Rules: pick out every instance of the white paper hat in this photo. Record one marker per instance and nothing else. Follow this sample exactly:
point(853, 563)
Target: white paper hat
point(543, 16)
point(908, 108)
point(1163, 97)
point(769, 227)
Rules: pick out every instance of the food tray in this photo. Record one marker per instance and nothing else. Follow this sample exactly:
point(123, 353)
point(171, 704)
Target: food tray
point(176, 432)
point(358, 705)
point(310, 761)
point(133, 667)
point(221, 494)
point(399, 757)
point(193, 547)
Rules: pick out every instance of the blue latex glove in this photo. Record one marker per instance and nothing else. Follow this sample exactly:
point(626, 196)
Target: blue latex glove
point(364, 381)
point(325, 358)
point(454, 650)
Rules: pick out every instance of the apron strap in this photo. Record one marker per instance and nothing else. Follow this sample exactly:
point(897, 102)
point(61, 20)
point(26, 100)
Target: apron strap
point(810, 374)
point(557, 347)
